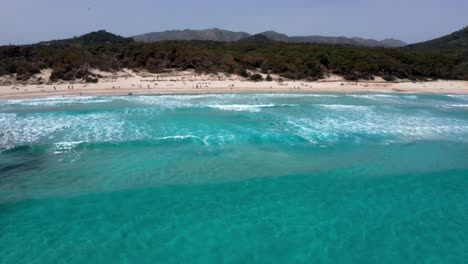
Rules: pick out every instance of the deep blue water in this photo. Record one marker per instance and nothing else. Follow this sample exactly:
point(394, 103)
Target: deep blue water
point(235, 178)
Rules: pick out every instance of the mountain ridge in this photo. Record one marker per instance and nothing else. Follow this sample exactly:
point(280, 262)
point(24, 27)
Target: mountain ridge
point(216, 34)
point(457, 39)
point(95, 37)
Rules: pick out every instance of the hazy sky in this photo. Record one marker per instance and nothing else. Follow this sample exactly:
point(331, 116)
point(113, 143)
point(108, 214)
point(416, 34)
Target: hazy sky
point(29, 21)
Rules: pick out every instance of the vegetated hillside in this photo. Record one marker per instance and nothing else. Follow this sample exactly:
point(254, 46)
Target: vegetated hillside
point(230, 36)
point(393, 43)
point(456, 40)
point(214, 34)
point(259, 38)
point(289, 60)
point(348, 41)
point(275, 36)
point(93, 38)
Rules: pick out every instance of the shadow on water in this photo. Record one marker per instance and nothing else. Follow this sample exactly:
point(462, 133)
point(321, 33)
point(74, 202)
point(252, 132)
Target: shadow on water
point(20, 159)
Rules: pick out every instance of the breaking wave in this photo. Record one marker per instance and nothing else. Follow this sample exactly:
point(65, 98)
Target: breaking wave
point(279, 118)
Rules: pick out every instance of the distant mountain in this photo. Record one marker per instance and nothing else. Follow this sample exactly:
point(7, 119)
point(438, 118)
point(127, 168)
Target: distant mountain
point(93, 38)
point(258, 38)
point(458, 39)
point(230, 36)
point(322, 40)
point(214, 34)
point(391, 43)
point(275, 36)
point(366, 42)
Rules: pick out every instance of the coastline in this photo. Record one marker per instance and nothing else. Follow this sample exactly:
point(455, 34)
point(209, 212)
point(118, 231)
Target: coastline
point(190, 83)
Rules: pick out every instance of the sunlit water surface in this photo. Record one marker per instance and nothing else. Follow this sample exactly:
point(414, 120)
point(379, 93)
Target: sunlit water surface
point(238, 178)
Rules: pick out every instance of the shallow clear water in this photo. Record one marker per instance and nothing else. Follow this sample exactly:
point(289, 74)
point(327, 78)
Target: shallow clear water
point(240, 178)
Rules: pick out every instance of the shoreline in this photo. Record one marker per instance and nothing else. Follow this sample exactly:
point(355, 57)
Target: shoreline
point(187, 83)
point(207, 92)
point(139, 91)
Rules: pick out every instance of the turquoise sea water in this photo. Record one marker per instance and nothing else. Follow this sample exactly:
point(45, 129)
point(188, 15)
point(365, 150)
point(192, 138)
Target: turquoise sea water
point(239, 178)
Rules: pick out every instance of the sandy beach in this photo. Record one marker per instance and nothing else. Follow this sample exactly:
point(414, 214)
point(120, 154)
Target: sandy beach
point(126, 82)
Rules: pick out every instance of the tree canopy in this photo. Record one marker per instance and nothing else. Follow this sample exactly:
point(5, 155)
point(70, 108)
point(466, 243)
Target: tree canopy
point(289, 60)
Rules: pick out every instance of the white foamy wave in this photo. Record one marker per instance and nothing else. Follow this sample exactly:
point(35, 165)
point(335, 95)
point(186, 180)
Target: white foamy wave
point(298, 95)
point(36, 128)
point(250, 108)
point(410, 96)
point(457, 105)
point(380, 97)
point(178, 137)
point(185, 97)
point(62, 147)
point(207, 140)
point(331, 128)
point(369, 96)
point(54, 101)
point(140, 119)
point(458, 96)
point(226, 102)
point(161, 102)
point(339, 107)
point(220, 139)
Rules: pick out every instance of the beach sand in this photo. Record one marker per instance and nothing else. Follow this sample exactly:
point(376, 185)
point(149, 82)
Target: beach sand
point(187, 82)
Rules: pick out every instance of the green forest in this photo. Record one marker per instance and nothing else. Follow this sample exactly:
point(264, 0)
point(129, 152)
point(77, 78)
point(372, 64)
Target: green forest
point(71, 59)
